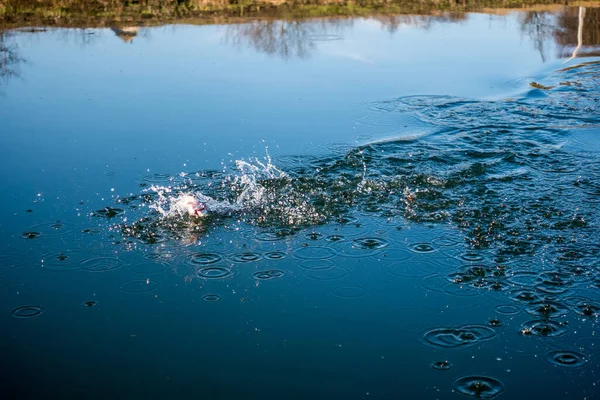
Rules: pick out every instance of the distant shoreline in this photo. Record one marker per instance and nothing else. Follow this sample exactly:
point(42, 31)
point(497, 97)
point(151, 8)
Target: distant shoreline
point(111, 13)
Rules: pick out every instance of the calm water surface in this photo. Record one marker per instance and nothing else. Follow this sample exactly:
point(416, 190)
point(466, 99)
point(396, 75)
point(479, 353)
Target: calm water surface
point(399, 207)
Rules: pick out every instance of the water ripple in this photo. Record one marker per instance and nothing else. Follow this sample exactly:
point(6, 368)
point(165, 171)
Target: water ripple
point(139, 286)
point(463, 336)
point(543, 328)
point(27, 312)
point(566, 358)
point(482, 387)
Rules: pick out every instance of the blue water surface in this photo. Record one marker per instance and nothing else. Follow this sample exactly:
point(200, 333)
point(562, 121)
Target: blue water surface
point(395, 210)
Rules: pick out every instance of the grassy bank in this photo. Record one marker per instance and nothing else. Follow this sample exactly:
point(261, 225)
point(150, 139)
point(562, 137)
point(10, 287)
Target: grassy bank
point(73, 13)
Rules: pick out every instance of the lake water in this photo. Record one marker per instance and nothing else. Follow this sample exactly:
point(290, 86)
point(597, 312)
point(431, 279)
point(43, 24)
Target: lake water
point(398, 207)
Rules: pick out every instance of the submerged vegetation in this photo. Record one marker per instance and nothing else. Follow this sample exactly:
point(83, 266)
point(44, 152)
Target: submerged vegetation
point(100, 13)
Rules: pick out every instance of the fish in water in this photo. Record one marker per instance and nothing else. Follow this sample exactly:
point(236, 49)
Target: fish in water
point(192, 205)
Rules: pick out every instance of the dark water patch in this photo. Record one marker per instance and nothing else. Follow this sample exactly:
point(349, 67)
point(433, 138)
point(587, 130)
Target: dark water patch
point(579, 273)
point(506, 309)
point(583, 306)
point(211, 297)
point(543, 328)
point(275, 255)
point(92, 231)
point(268, 274)
point(331, 274)
point(27, 312)
point(494, 323)
point(587, 309)
point(67, 260)
point(31, 235)
point(214, 272)
point(149, 267)
point(546, 309)
point(554, 282)
point(453, 337)
point(482, 387)
point(139, 286)
point(566, 358)
point(245, 257)
point(316, 265)
point(470, 273)
point(197, 259)
point(102, 264)
point(314, 253)
point(442, 365)
point(172, 231)
point(90, 304)
point(350, 292)
point(556, 278)
point(108, 212)
point(497, 285)
point(480, 277)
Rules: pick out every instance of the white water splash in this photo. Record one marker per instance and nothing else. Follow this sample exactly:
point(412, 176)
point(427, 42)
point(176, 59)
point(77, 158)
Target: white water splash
point(181, 202)
point(252, 193)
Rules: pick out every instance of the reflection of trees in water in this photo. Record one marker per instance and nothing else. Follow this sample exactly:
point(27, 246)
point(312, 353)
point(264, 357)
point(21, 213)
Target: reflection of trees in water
point(9, 57)
point(569, 23)
point(289, 38)
point(564, 27)
point(284, 38)
point(540, 26)
point(393, 22)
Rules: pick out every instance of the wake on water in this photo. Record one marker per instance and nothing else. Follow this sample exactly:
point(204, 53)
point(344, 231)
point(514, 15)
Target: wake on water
point(493, 168)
